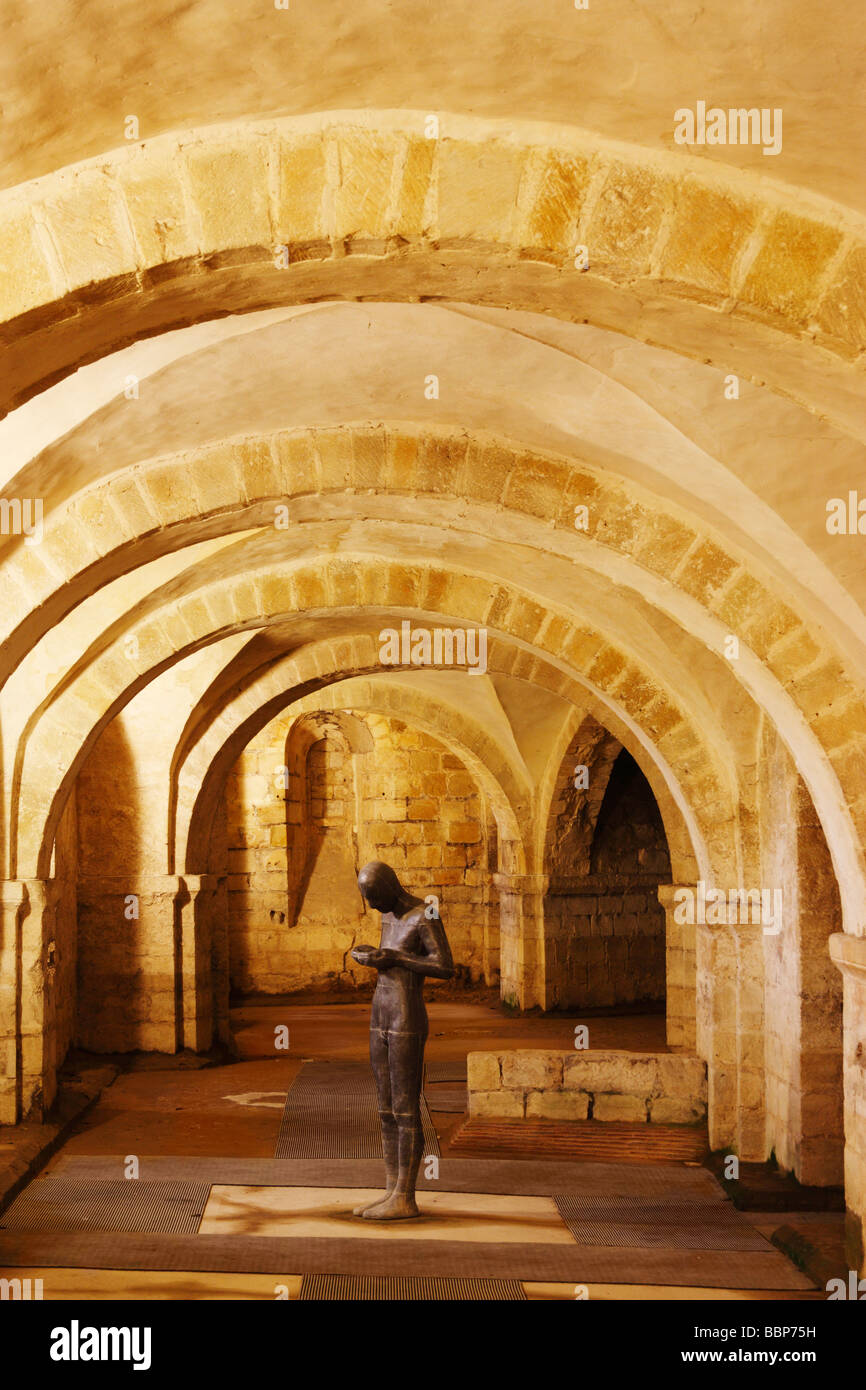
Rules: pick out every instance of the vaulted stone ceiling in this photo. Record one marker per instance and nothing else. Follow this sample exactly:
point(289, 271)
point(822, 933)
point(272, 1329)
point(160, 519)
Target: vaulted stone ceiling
point(235, 252)
point(71, 74)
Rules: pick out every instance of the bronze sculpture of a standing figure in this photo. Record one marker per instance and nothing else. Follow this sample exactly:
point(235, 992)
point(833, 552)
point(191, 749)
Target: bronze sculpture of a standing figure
point(413, 944)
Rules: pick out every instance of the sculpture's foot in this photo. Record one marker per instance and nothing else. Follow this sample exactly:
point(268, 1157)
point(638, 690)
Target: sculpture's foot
point(397, 1206)
point(368, 1206)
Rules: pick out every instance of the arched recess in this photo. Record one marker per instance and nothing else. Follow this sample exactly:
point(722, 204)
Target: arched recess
point(487, 212)
point(292, 853)
point(577, 796)
point(604, 927)
point(289, 846)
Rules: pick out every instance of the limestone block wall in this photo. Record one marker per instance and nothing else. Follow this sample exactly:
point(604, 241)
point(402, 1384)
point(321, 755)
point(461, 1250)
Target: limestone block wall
point(604, 1085)
point(802, 1044)
point(293, 906)
point(606, 856)
point(127, 964)
point(295, 849)
point(605, 945)
point(423, 813)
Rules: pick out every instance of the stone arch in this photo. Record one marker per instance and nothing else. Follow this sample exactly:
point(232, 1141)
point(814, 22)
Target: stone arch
point(604, 935)
point(716, 592)
point(282, 873)
point(167, 502)
point(192, 766)
point(471, 599)
point(503, 207)
point(595, 749)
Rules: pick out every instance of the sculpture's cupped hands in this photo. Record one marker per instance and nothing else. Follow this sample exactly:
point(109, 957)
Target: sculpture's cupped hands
point(374, 957)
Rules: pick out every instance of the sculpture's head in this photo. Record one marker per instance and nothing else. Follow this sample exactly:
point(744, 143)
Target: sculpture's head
point(380, 886)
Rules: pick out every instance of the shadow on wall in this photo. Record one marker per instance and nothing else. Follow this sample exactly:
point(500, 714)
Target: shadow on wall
point(125, 968)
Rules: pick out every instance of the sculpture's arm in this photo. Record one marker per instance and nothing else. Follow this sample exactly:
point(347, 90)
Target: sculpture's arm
point(436, 962)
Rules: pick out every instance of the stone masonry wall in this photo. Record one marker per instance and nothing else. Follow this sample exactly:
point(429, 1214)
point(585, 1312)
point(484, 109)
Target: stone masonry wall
point(604, 925)
point(294, 851)
point(423, 813)
point(605, 945)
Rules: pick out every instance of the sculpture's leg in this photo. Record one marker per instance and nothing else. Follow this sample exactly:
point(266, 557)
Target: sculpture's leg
point(406, 1053)
point(380, 1062)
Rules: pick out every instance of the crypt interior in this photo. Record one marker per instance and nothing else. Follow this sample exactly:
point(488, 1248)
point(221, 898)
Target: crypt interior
point(437, 330)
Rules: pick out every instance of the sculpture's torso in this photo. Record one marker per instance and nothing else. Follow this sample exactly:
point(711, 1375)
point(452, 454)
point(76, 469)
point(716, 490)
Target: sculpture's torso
point(398, 1000)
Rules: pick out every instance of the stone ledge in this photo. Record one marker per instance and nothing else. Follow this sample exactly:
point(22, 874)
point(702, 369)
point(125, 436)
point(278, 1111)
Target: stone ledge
point(640, 1087)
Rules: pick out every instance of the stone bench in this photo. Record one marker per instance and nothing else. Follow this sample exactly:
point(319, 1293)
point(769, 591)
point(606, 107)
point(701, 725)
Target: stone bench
point(652, 1087)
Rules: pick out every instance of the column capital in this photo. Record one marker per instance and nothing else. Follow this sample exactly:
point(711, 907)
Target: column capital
point(522, 883)
point(848, 953)
point(666, 893)
point(130, 883)
point(201, 883)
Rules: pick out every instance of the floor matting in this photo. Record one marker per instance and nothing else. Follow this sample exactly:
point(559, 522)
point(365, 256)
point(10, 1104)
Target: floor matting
point(394, 1288)
point(439, 1258)
point(332, 1112)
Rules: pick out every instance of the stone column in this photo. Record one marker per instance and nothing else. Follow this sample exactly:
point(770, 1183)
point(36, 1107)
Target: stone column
point(194, 905)
point(28, 1032)
point(680, 973)
point(11, 901)
point(221, 962)
point(716, 1031)
point(127, 963)
point(849, 954)
point(751, 1066)
point(521, 938)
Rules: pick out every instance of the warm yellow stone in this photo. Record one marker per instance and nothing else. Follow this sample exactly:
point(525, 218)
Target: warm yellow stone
point(414, 185)
point(478, 188)
point(90, 228)
point(362, 198)
point(300, 216)
point(785, 273)
point(708, 233)
point(25, 279)
point(229, 183)
point(705, 570)
point(626, 219)
point(556, 212)
point(157, 206)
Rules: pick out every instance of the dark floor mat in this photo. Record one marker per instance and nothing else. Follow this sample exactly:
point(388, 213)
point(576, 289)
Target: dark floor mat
point(605, 1142)
point(331, 1112)
point(642, 1223)
point(544, 1178)
point(84, 1204)
point(421, 1288)
point(464, 1259)
point(445, 1071)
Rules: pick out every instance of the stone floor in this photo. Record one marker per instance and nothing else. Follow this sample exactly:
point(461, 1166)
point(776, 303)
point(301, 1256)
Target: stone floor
point(176, 1106)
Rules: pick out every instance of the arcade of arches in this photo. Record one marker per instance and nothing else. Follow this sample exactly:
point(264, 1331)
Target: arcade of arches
point(294, 369)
